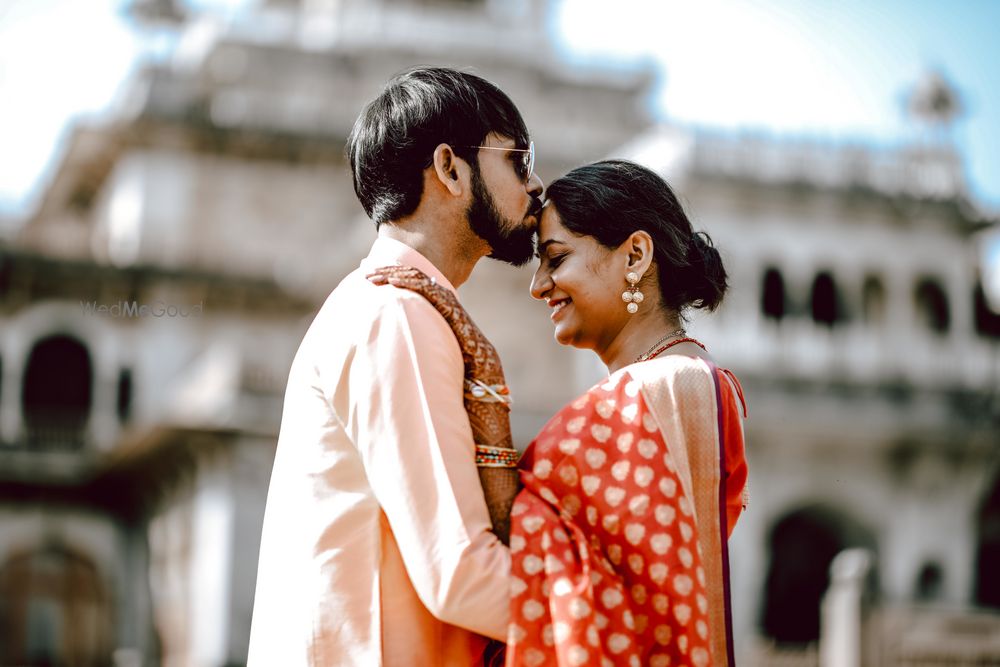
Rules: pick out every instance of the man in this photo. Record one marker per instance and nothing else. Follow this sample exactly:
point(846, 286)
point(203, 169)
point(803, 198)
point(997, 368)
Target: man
point(376, 548)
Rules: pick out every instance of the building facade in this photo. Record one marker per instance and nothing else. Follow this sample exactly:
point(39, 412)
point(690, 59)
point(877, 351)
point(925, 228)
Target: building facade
point(858, 324)
point(150, 309)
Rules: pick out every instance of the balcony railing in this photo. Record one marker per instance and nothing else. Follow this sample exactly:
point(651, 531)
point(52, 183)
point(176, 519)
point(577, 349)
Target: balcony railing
point(54, 430)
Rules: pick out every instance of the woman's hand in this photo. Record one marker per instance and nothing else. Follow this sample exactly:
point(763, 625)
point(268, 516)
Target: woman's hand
point(486, 397)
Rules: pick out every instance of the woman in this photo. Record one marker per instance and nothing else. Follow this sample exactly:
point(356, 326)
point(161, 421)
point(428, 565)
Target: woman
point(630, 492)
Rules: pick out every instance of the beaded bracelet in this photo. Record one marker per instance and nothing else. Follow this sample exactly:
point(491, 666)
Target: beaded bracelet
point(496, 457)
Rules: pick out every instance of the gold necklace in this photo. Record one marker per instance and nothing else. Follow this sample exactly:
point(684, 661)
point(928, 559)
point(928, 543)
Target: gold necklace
point(648, 353)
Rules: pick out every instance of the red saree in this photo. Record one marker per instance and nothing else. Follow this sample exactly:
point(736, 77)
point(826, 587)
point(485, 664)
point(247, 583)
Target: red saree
point(618, 538)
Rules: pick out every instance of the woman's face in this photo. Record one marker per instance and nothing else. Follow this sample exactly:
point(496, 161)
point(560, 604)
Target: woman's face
point(582, 282)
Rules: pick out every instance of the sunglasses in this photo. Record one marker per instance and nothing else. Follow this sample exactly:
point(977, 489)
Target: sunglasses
point(524, 167)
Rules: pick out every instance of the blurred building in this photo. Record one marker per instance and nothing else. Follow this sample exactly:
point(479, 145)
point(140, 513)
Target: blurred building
point(858, 324)
point(150, 309)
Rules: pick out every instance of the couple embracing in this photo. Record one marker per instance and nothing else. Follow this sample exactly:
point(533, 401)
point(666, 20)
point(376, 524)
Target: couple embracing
point(402, 527)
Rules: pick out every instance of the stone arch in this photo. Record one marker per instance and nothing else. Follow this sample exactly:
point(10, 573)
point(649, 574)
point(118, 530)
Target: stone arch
point(802, 545)
point(56, 609)
point(41, 320)
point(987, 593)
point(57, 392)
point(48, 317)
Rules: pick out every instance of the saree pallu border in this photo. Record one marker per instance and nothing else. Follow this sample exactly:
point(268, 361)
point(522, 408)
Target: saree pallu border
point(687, 404)
point(723, 515)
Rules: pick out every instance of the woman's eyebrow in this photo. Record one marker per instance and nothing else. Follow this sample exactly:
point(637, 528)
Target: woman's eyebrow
point(546, 243)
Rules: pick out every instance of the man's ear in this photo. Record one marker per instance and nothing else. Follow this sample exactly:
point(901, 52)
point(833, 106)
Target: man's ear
point(450, 169)
point(639, 252)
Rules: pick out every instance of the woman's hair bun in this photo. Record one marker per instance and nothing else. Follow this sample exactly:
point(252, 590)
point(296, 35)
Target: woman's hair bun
point(707, 280)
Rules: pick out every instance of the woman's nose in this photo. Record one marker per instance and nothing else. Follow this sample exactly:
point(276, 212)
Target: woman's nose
point(541, 283)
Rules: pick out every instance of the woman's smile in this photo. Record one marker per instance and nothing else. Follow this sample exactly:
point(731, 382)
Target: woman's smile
point(558, 306)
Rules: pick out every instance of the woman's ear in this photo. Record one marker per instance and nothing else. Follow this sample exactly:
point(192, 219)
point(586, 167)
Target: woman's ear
point(639, 252)
point(450, 169)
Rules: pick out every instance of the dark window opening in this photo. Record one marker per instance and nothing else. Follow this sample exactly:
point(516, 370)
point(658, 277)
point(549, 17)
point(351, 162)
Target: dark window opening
point(930, 582)
point(56, 396)
point(987, 319)
point(773, 301)
point(932, 305)
point(826, 308)
point(988, 552)
point(124, 402)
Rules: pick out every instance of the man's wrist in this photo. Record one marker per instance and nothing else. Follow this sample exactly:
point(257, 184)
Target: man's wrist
point(496, 457)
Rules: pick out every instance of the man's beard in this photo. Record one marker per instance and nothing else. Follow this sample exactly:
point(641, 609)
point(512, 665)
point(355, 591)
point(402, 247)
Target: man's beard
point(511, 242)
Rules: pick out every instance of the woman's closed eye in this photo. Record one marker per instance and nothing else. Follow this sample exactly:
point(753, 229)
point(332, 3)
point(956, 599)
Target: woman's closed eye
point(555, 260)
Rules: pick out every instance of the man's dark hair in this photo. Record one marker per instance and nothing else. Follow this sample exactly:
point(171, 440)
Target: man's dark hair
point(394, 138)
point(610, 200)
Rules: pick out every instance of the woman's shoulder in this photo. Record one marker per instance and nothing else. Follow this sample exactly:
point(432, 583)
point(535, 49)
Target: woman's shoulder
point(680, 377)
point(677, 378)
point(672, 370)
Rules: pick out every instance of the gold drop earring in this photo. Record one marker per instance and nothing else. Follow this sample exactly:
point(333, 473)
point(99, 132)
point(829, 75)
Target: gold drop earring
point(632, 296)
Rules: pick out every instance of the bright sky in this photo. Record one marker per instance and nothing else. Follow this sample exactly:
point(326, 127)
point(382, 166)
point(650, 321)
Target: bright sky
point(57, 58)
point(800, 67)
point(810, 67)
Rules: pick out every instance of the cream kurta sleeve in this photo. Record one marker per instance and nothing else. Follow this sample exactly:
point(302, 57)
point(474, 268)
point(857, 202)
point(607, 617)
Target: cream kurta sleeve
point(411, 429)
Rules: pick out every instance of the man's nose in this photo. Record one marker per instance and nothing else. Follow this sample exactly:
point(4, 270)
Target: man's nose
point(535, 186)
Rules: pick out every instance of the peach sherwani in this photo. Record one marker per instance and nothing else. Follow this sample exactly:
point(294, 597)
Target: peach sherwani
point(376, 547)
